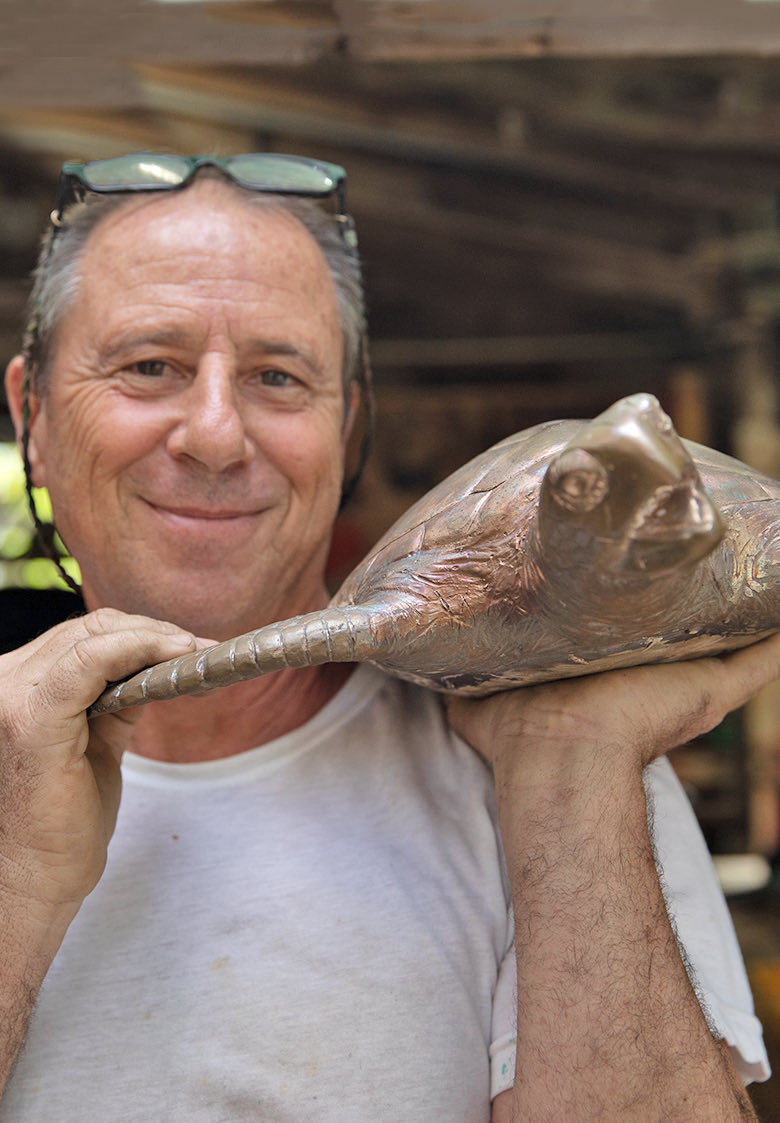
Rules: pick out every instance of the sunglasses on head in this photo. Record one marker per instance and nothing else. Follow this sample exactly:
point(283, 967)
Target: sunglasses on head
point(267, 172)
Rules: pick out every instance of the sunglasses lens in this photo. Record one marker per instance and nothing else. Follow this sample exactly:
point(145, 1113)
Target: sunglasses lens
point(137, 170)
point(280, 173)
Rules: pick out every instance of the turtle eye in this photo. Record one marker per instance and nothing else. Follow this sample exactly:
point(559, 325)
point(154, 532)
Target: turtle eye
point(664, 424)
point(579, 482)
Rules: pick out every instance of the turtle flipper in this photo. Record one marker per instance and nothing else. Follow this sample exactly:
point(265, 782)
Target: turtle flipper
point(334, 635)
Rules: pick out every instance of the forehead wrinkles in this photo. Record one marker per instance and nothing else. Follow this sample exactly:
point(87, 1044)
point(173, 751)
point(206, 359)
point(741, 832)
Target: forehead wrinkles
point(203, 236)
point(208, 221)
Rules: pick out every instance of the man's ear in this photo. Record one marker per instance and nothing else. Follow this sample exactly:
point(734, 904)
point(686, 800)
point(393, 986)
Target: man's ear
point(14, 387)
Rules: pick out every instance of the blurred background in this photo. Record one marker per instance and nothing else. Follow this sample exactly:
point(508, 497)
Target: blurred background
point(556, 207)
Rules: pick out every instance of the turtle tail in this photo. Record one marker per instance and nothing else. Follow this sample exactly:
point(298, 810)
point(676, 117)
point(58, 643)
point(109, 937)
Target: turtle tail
point(334, 635)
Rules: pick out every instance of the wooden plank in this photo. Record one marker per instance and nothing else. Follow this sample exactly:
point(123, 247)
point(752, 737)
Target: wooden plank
point(524, 28)
point(678, 105)
point(276, 13)
point(523, 350)
point(365, 114)
point(69, 133)
point(287, 31)
point(193, 33)
point(579, 260)
point(57, 134)
point(372, 114)
point(317, 101)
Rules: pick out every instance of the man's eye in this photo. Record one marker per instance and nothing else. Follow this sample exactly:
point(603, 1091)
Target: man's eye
point(150, 368)
point(273, 377)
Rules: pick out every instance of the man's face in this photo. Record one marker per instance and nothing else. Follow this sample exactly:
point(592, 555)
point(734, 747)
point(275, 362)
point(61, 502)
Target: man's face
point(192, 433)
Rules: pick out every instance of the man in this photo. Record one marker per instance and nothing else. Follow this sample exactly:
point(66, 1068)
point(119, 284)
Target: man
point(303, 913)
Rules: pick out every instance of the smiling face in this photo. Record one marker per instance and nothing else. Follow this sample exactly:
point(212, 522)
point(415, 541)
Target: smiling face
point(192, 432)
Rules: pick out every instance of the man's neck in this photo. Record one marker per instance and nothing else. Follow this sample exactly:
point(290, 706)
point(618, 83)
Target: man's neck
point(235, 718)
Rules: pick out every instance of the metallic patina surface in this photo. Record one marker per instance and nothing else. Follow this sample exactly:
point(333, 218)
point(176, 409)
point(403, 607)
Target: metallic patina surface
point(565, 549)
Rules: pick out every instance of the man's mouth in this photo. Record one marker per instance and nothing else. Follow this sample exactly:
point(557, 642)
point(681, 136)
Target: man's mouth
point(203, 512)
point(193, 515)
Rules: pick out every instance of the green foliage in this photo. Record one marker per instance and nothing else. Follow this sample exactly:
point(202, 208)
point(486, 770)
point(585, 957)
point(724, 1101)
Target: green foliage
point(20, 562)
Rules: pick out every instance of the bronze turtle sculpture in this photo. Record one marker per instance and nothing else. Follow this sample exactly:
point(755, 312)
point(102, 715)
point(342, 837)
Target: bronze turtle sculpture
point(566, 549)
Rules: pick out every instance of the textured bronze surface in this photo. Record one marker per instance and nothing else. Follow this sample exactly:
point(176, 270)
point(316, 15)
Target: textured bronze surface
point(565, 549)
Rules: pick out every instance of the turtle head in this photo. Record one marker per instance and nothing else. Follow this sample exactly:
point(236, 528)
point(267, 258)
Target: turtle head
point(625, 496)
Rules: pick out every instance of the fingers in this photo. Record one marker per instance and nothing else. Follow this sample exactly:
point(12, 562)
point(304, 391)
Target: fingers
point(83, 669)
point(650, 709)
point(59, 777)
point(750, 669)
point(57, 676)
point(697, 695)
point(62, 636)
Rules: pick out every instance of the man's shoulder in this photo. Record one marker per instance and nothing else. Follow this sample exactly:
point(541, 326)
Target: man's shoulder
point(399, 718)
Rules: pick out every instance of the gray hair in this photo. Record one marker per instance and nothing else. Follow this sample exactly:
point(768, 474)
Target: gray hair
point(57, 275)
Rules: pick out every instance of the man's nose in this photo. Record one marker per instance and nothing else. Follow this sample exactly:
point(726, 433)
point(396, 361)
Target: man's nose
point(211, 429)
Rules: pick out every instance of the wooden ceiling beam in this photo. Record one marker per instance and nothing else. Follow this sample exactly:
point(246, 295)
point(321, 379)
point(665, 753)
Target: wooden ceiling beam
point(672, 104)
point(277, 13)
point(193, 33)
point(227, 107)
point(577, 259)
point(526, 350)
point(287, 31)
point(534, 28)
point(378, 123)
point(701, 104)
point(60, 134)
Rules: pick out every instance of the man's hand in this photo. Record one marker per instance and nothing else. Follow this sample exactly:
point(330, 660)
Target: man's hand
point(609, 1027)
point(60, 787)
point(639, 713)
point(59, 774)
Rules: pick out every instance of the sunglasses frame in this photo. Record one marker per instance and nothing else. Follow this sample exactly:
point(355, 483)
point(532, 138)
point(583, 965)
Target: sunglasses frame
point(74, 184)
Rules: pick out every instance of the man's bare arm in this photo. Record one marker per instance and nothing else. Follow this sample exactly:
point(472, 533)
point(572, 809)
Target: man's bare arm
point(609, 1027)
point(59, 790)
